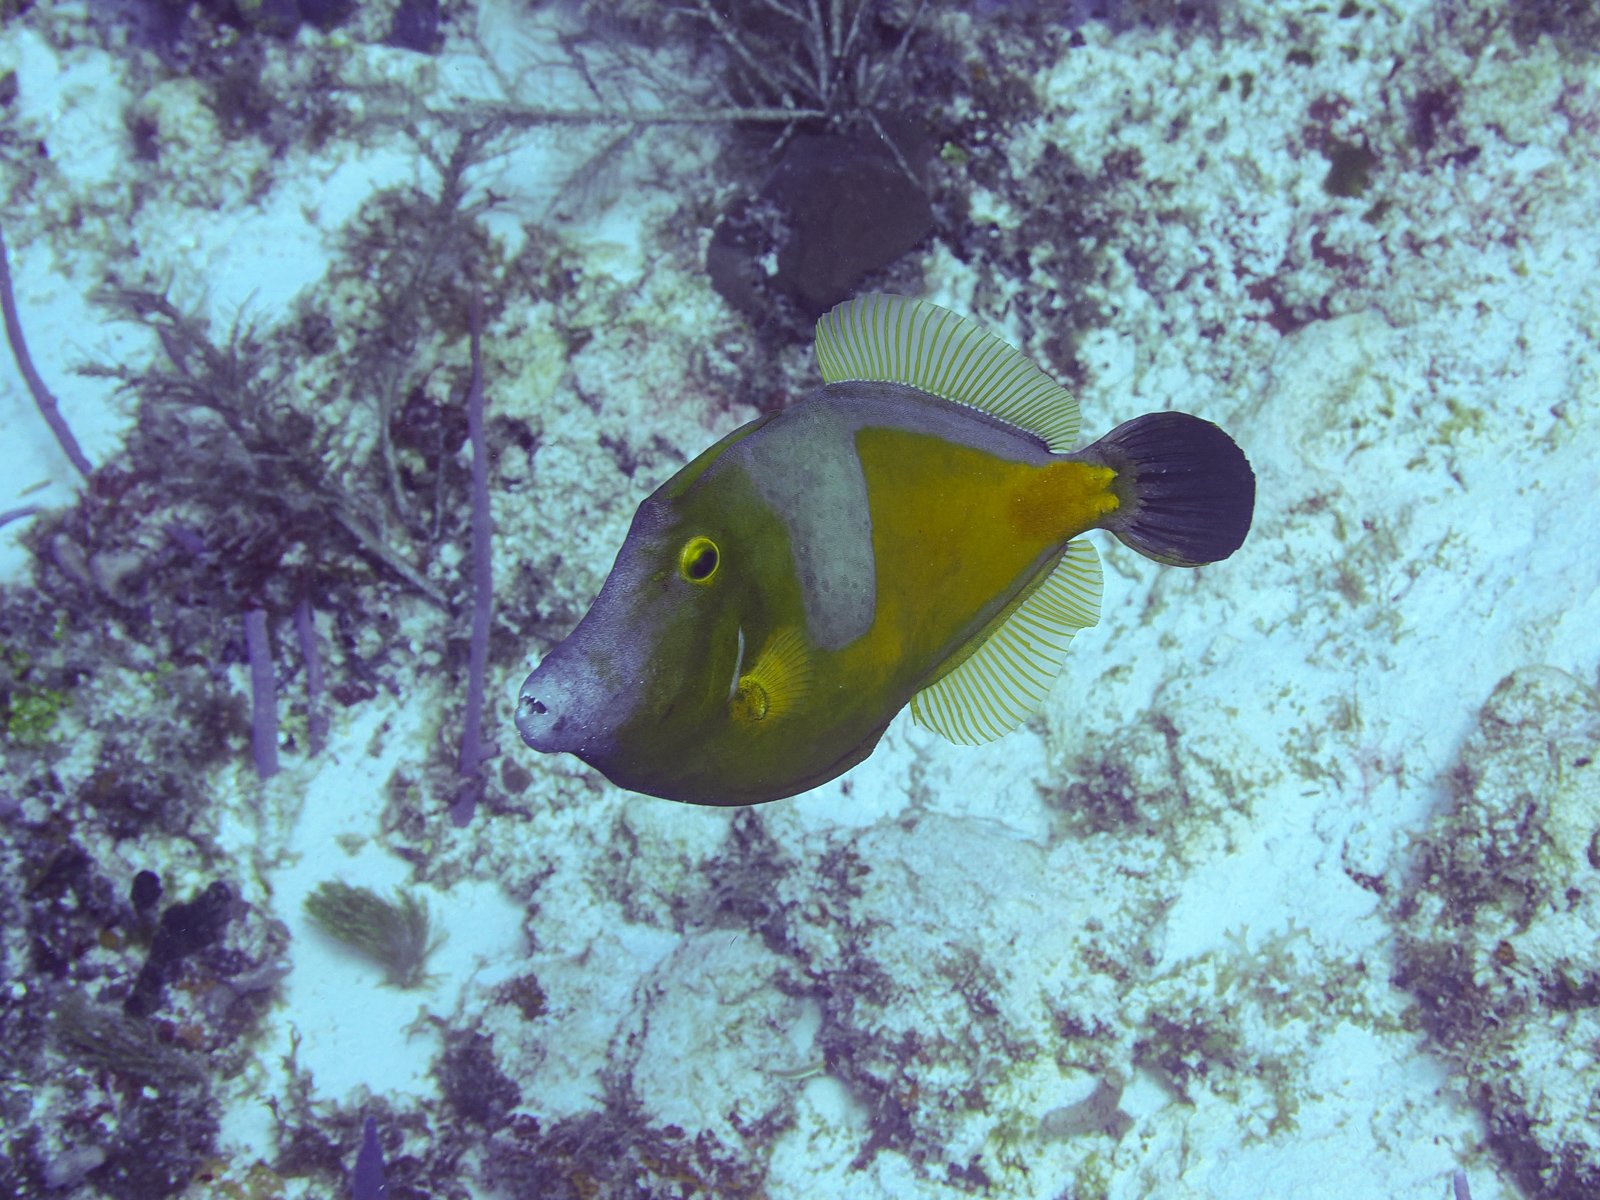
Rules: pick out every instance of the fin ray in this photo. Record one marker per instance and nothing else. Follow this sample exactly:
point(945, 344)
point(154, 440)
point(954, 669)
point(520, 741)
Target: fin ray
point(899, 340)
point(1187, 492)
point(777, 683)
point(1005, 679)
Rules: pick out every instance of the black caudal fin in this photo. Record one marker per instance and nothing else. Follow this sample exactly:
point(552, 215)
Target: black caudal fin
point(1187, 492)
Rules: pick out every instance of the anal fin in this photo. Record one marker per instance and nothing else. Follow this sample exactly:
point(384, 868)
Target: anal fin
point(1004, 679)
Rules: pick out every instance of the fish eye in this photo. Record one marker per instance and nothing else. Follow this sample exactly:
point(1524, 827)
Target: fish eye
point(697, 561)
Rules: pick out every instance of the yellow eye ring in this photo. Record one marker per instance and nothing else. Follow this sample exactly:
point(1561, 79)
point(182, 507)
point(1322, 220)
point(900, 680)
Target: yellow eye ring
point(698, 560)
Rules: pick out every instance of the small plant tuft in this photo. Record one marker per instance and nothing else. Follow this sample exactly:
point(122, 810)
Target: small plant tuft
point(394, 934)
point(102, 1039)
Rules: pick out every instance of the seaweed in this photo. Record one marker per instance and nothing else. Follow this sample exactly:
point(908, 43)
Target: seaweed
point(233, 508)
point(263, 476)
point(29, 708)
point(260, 487)
point(63, 906)
point(396, 935)
point(831, 63)
point(1573, 25)
point(165, 1122)
point(473, 1083)
point(415, 261)
point(741, 885)
point(617, 1150)
point(1495, 913)
point(150, 1143)
point(103, 1039)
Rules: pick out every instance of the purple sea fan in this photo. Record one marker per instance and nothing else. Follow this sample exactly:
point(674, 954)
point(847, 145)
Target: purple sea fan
point(474, 751)
point(367, 1181)
point(263, 694)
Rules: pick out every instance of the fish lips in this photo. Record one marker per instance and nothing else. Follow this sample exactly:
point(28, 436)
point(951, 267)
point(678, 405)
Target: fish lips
point(545, 710)
point(534, 720)
point(574, 701)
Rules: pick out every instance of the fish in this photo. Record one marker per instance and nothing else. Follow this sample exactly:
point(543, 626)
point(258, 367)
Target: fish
point(908, 533)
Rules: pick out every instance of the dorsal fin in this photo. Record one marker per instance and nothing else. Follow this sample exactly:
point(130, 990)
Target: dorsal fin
point(898, 340)
point(1005, 678)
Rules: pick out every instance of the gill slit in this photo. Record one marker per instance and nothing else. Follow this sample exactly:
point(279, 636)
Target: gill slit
point(738, 667)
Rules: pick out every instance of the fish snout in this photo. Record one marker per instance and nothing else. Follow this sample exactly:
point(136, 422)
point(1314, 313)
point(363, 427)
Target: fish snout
point(534, 718)
point(558, 705)
point(541, 705)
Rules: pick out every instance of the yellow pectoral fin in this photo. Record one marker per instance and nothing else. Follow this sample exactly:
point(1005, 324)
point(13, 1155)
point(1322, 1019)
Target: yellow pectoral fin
point(776, 684)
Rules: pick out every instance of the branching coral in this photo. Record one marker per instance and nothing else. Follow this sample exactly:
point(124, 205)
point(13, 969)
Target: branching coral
point(474, 751)
point(263, 694)
point(818, 59)
point(367, 1181)
point(42, 396)
point(225, 404)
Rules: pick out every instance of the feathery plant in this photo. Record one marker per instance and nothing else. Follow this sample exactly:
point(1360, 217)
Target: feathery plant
point(227, 406)
point(777, 63)
point(396, 934)
point(817, 59)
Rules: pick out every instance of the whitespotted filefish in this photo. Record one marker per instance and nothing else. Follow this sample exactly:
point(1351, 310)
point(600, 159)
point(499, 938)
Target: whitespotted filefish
point(909, 532)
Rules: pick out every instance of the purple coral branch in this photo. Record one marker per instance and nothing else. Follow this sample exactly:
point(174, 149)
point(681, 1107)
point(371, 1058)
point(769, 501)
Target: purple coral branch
point(316, 719)
point(474, 751)
point(367, 1182)
point(263, 694)
point(41, 394)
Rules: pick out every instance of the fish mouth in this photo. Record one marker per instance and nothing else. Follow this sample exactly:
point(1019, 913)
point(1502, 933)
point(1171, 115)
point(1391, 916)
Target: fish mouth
point(534, 720)
point(560, 705)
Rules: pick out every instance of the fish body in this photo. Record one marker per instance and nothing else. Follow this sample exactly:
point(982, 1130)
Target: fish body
point(906, 533)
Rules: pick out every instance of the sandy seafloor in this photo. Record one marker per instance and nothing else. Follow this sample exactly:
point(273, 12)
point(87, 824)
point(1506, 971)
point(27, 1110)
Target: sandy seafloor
point(1285, 893)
